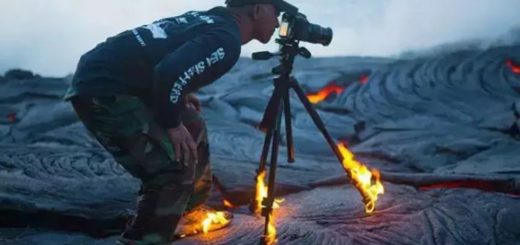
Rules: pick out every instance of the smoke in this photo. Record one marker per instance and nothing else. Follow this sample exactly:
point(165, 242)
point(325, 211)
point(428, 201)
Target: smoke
point(390, 27)
point(48, 36)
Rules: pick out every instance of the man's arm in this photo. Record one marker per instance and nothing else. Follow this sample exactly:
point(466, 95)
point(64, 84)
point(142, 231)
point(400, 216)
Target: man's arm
point(198, 62)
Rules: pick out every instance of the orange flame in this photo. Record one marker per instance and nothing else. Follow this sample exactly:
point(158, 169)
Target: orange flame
point(270, 239)
point(324, 93)
point(213, 218)
point(261, 194)
point(367, 182)
point(515, 68)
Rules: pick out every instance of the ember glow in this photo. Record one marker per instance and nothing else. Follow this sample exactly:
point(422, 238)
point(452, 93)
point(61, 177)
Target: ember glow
point(324, 93)
point(366, 181)
point(213, 218)
point(228, 204)
point(261, 194)
point(514, 67)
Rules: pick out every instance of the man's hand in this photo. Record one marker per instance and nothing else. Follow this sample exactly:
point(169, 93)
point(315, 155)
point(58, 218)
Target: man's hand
point(184, 145)
point(191, 101)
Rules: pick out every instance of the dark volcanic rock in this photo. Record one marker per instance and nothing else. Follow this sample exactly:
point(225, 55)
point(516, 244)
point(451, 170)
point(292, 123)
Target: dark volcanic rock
point(68, 180)
point(19, 74)
point(426, 119)
point(335, 215)
point(404, 216)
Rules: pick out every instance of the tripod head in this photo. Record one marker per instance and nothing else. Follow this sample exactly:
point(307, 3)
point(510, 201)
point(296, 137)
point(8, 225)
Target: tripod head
point(287, 54)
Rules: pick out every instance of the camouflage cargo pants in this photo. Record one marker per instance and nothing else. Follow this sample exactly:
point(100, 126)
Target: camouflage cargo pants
point(126, 128)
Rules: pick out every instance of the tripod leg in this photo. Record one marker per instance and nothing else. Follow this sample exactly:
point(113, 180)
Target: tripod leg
point(254, 205)
point(288, 128)
point(270, 113)
point(265, 150)
point(269, 201)
point(316, 118)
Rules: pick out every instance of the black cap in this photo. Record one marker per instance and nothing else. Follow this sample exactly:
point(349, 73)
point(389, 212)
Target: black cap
point(281, 5)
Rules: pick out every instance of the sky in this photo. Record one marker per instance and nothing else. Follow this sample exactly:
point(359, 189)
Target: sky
point(48, 36)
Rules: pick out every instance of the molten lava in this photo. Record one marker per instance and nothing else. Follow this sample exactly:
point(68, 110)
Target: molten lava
point(11, 117)
point(364, 79)
point(324, 93)
point(366, 181)
point(514, 67)
point(213, 218)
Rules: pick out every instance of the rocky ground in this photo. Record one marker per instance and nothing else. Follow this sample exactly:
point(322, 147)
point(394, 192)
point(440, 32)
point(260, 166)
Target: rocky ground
point(444, 130)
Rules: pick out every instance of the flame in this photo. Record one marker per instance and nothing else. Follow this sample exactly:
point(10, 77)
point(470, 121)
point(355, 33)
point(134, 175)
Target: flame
point(515, 68)
point(270, 239)
point(261, 194)
point(324, 93)
point(213, 218)
point(362, 178)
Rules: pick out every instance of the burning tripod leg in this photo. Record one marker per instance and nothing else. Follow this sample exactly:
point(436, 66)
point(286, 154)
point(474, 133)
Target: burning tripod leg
point(267, 207)
point(264, 197)
point(261, 189)
point(366, 181)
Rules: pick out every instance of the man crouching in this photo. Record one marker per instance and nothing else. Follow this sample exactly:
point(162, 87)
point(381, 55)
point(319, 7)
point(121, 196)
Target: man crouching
point(133, 93)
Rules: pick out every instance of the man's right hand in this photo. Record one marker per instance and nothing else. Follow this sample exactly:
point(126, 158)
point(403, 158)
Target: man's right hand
point(184, 145)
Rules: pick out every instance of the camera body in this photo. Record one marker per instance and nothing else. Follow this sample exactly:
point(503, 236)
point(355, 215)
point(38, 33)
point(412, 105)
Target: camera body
point(297, 27)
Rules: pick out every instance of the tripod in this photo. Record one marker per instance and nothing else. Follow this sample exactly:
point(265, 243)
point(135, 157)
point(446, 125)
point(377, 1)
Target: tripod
point(279, 104)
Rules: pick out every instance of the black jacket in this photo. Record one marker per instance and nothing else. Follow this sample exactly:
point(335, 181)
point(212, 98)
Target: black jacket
point(162, 61)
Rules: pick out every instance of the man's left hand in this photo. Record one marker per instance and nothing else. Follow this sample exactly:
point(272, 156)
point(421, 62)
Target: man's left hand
point(191, 101)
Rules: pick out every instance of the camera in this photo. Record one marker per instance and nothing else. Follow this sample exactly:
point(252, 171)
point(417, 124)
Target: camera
point(297, 27)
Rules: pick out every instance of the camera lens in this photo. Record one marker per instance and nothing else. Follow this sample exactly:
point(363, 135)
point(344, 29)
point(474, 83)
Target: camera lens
point(318, 34)
point(309, 32)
